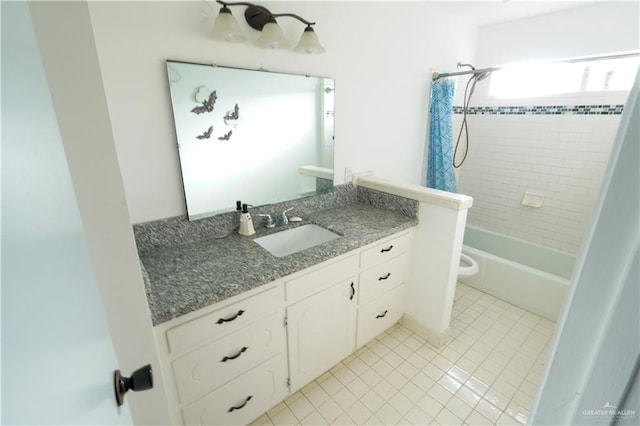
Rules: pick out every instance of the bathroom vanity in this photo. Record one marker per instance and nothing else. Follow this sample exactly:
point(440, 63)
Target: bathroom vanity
point(238, 329)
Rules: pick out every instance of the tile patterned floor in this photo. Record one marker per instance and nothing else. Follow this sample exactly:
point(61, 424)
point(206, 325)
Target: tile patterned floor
point(487, 374)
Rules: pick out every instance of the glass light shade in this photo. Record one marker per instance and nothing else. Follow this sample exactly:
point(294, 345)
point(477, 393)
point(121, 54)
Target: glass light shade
point(272, 37)
point(309, 42)
point(225, 27)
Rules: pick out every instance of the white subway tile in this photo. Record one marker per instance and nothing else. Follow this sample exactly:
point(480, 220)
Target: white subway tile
point(563, 157)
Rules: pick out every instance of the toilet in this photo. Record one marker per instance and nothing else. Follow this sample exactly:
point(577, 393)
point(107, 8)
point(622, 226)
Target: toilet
point(468, 266)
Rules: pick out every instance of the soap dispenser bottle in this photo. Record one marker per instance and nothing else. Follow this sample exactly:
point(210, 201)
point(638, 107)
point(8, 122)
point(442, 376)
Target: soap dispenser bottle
point(246, 224)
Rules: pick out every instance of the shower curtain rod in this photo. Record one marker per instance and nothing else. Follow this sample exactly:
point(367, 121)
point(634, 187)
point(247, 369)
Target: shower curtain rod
point(438, 75)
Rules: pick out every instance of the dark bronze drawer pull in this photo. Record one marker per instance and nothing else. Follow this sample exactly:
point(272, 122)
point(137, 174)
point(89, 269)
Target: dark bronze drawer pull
point(382, 316)
point(227, 358)
point(385, 277)
point(384, 250)
point(221, 320)
point(239, 407)
point(353, 292)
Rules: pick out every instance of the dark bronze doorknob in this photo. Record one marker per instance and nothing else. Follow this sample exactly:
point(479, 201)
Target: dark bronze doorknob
point(141, 379)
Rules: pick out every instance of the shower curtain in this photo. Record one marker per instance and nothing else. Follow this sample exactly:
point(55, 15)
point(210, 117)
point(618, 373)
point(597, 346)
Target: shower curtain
point(440, 174)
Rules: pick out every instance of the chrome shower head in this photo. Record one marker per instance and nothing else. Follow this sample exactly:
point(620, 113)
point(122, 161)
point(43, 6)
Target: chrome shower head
point(482, 75)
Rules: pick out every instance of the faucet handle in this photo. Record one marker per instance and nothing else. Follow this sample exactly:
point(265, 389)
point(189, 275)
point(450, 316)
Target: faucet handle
point(285, 219)
point(270, 223)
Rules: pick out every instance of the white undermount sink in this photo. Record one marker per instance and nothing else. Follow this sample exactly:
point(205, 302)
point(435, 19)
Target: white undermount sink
point(294, 240)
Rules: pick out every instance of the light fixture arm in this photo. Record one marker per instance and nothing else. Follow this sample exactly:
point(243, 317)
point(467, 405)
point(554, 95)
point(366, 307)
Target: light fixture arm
point(257, 15)
point(243, 3)
point(293, 15)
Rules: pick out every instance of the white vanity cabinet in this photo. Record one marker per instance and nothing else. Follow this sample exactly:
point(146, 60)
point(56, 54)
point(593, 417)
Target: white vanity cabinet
point(230, 362)
point(383, 274)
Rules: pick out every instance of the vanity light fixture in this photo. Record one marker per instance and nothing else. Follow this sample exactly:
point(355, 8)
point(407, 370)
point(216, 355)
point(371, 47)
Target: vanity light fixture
point(225, 28)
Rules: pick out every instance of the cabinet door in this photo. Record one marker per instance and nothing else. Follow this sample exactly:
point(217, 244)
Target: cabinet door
point(321, 332)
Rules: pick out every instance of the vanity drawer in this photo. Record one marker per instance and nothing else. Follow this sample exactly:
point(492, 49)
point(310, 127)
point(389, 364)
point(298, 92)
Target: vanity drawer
point(224, 320)
point(379, 315)
point(321, 278)
point(383, 277)
point(385, 250)
point(243, 399)
point(223, 359)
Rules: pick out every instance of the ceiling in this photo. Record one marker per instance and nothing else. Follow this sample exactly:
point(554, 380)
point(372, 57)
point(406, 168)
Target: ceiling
point(486, 12)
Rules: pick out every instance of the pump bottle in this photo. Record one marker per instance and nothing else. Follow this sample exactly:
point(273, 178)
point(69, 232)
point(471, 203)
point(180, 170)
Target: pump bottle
point(246, 224)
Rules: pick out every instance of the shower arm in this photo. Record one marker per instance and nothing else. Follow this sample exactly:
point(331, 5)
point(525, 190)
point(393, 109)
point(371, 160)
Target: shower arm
point(438, 75)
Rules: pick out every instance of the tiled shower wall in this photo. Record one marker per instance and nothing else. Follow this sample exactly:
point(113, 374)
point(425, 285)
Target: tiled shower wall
point(560, 152)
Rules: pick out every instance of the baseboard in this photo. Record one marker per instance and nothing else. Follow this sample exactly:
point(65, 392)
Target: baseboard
point(438, 340)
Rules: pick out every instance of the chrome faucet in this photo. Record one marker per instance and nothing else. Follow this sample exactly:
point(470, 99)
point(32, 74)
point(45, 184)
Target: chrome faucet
point(270, 223)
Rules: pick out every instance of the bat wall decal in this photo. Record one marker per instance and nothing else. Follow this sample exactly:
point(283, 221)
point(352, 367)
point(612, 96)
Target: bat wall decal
point(233, 115)
point(207, 104)
point(206, 134)
point(226, 137)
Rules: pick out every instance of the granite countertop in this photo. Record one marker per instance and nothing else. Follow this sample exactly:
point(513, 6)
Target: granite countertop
point(184, 278)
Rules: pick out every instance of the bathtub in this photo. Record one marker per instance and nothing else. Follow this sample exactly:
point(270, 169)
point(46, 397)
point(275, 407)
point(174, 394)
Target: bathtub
point(528, 275)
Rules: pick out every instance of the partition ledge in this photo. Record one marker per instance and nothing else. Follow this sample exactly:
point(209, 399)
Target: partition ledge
point(415, 192)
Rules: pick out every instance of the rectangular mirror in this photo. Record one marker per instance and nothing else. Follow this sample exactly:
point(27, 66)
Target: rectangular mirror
point(256, 136)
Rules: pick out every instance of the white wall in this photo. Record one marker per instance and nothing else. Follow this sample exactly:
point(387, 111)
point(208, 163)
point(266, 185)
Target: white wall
point(599, 28)
point(560, 156)
point(382, 79)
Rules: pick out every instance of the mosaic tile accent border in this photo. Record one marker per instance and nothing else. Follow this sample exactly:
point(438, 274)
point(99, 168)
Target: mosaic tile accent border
point(544, 110)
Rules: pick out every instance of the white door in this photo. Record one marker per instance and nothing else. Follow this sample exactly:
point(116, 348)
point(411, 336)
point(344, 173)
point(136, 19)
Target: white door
point(57, 356)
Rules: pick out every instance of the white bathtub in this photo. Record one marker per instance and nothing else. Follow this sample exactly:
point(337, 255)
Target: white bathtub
point(528, 275)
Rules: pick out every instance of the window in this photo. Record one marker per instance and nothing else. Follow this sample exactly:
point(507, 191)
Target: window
point(532, 80)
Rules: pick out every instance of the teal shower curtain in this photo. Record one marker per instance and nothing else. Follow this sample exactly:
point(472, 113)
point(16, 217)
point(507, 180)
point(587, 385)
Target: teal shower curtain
point(440, 174)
